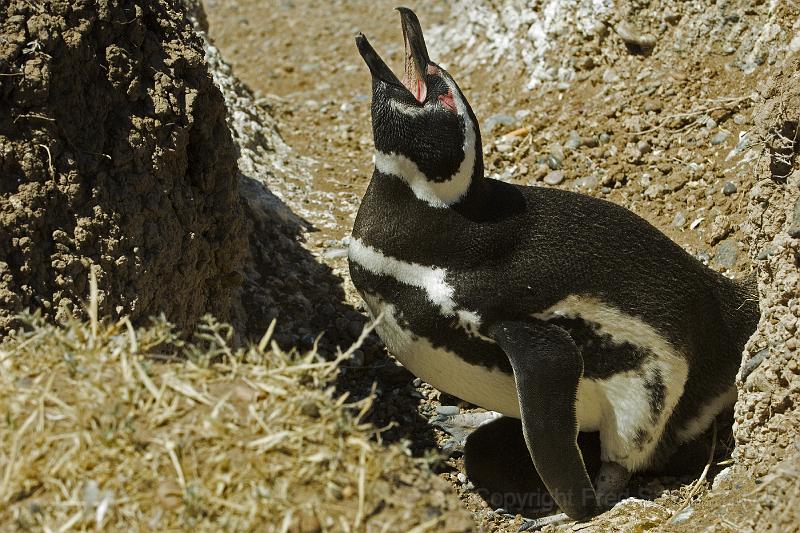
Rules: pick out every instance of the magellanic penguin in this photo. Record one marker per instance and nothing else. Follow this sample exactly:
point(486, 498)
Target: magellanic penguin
point(565, 311)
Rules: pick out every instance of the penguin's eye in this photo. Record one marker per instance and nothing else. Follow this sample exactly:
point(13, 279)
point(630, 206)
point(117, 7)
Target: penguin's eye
point(448, 101)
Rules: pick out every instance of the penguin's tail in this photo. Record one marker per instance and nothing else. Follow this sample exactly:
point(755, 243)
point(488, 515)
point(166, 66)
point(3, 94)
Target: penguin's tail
point(739, 307)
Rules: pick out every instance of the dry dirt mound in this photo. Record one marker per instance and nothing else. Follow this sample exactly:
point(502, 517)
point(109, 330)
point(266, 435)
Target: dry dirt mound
point(115, 157)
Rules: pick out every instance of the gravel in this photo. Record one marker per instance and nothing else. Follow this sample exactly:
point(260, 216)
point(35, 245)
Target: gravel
point(554, 178)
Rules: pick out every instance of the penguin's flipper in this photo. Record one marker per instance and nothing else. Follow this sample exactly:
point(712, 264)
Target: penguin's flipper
point(547, 367)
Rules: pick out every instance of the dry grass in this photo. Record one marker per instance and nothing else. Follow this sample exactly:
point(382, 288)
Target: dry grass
point(108, 427)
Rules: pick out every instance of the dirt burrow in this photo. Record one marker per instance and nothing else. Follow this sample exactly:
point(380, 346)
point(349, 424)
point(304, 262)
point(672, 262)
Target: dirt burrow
point(115, 157)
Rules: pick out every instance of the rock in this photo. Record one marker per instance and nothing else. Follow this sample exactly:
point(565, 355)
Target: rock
point(729, 188)
point(724, 475)
point(653, 190)
point(609, 76)
point(555, 158)
point(574, 142)
point(461, 477)
point(604, 137)
point(447, 410)
point(794, 229)
point(590, 142)
point(679, 220)
point(497, 120)
point(588, 182)
point(636, 41)
point(725, 256)
point(554, 178)
point(720, 137)
point(739, 119)
point(643, 147)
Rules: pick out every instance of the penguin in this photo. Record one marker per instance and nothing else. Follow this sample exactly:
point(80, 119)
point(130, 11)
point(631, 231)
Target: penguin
point(567, 312)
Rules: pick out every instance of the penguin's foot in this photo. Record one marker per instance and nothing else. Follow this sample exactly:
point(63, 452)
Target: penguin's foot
point(535, 524)
point(611, 483)
point(460, 426)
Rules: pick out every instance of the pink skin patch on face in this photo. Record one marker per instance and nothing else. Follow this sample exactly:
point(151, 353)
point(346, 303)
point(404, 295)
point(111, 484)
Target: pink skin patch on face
point(448, 101)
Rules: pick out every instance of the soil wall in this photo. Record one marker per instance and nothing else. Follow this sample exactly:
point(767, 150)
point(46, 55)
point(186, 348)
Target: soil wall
point(114, 156)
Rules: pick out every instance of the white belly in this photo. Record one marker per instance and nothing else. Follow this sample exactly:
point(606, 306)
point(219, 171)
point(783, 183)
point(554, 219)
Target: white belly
point(616, 406)
point(488, 388)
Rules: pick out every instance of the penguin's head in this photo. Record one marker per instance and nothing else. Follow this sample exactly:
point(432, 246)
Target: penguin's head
point(424, 130)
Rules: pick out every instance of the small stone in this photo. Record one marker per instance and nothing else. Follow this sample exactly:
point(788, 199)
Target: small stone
point(574, 141)
point(609, 76)
point(503, 148)
point(447, 410)
point(725, 255)
point(653, 105)
point(604, 137)
point(588, 182)
point(461, 477)
point(589, 142)
point(794, 229)
point(710, 123)
point(720, 137)
point(653, 191)
point(632, 37)
point(739, 119)
point(729, 188)
point(554, 178)
point(704, 257)
point(498, 120)
point(679, 220)
point(417, 382)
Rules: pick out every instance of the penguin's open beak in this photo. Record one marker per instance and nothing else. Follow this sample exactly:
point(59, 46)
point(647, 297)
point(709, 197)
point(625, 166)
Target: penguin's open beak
point(416, 57)
point(416, 54)
point(376, 65)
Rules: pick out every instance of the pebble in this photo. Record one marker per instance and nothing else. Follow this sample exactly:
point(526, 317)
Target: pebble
point(643, 147)
point(417, 382)
point(498, 120)
point(588, 182)
point(723, 476)
point(461, 477)
point(739, 119)
point(589, 142)
point(574, 142)
point(554, 178)
point(720, 137)
point(794, 229)
point(704, 257)
point(633, 37)
point(604, 137)
point(609, 76)
point(503, 148)
point(725, 255)
point(447, 410)
point(679, 220)
point(729, 188)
